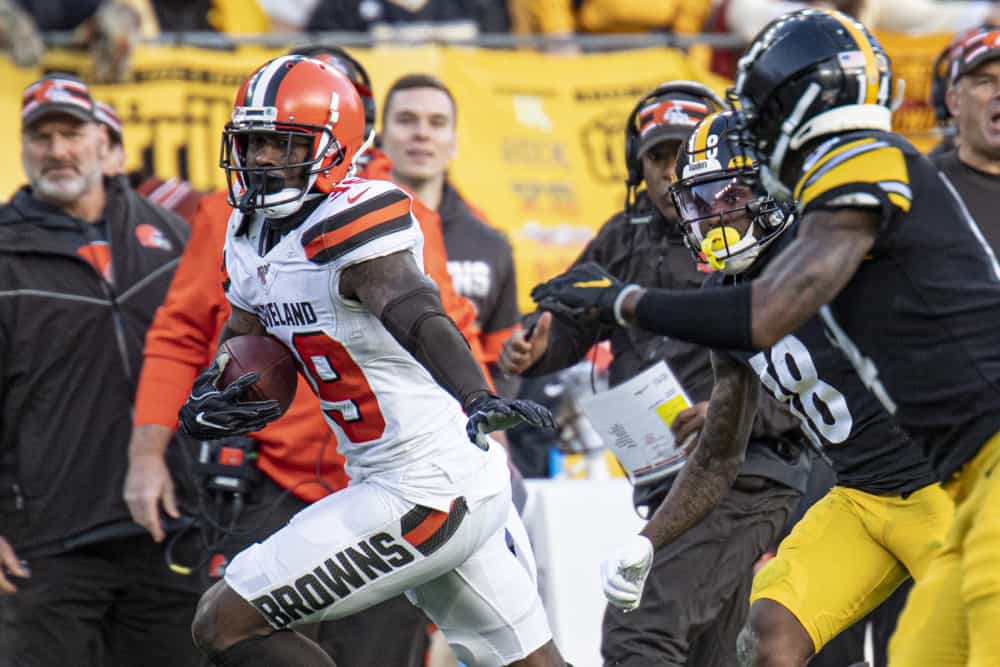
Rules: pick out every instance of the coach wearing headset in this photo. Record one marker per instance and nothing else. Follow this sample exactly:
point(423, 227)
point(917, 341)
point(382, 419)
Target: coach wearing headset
point(695, 601)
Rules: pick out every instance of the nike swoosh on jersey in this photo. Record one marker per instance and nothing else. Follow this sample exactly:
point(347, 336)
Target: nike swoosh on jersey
point(351, 200)
point(603, 282)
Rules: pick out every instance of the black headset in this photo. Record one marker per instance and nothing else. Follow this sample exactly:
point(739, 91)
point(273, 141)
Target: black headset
point(633, 169)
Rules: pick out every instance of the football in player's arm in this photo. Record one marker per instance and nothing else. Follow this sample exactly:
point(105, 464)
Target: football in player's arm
point(395, 289)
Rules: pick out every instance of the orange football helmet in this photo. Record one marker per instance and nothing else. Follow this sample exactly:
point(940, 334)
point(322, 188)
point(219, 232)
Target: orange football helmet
point(289, 97)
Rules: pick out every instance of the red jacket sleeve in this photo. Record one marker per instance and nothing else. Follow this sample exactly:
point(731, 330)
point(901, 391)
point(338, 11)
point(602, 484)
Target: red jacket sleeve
point(181, 340)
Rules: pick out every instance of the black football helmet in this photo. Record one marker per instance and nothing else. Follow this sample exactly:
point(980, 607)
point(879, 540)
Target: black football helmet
point(726, 214)
point(807, 74)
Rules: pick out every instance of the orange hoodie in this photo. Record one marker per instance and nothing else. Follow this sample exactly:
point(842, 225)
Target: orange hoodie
point(182, 341)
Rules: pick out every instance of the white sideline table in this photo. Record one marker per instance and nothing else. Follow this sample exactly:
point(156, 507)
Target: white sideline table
point(573, 526)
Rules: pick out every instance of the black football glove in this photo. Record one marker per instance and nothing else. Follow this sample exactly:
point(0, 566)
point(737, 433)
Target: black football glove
point(210, 413)
point(586, 291)
point(488, 413)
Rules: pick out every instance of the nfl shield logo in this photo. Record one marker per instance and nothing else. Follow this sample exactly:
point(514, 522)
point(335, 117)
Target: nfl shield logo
point(262, 273)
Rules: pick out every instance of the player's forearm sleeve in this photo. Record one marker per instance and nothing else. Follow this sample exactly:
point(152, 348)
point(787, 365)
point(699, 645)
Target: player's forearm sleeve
point(418, 321)
point(715, 317)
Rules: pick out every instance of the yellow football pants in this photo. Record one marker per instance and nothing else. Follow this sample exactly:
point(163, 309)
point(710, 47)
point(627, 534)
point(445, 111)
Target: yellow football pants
point(849, 553)
point(952, 617)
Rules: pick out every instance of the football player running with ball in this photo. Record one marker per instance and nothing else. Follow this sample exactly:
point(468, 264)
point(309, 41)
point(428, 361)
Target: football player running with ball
point(904, 281)
point(330, 265)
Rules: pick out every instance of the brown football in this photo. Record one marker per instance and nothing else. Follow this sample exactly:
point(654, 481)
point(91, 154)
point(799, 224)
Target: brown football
point(270, 359)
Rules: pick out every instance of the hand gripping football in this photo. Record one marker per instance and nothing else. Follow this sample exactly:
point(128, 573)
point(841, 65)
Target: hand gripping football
point(270, 359)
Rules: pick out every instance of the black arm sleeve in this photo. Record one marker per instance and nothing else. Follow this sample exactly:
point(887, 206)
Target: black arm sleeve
point(715, 317)
point(417, 320)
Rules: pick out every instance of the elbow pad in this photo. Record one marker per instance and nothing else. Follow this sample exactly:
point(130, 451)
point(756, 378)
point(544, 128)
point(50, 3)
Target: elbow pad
point(418, 322)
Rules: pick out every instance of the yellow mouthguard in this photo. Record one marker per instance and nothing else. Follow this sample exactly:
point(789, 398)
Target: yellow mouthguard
point(717, 240)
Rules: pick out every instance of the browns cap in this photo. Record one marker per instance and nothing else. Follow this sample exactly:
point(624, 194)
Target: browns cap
point(57, 93)
point(974, 50)
point(672, 116)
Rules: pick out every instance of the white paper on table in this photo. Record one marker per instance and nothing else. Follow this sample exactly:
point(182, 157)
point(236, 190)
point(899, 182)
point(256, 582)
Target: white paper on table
point(634, 421)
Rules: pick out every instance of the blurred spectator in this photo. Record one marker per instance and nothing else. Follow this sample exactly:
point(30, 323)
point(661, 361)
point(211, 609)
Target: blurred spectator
point(86, 262)
point(233, 17)
point(918, 17)
point(745, 18)
point(439, 20)
point(563, 18)
point(19, 35)
point(288, 16)
point(109, 29)
point(419, 136)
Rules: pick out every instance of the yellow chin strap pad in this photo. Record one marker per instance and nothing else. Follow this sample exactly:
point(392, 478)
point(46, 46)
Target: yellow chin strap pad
point(717, 240)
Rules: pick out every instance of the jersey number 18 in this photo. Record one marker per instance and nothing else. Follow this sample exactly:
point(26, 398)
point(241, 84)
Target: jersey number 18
point(819, 406)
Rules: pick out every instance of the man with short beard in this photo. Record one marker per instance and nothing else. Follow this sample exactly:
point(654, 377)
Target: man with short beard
point(84, 263)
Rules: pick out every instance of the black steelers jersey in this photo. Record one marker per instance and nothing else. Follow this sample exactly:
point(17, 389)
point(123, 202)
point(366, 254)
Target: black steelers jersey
point(920, 319)
point(808, 372)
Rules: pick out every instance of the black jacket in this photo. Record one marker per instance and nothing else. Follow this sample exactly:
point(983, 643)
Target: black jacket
point(70, 353)
point(653, 254)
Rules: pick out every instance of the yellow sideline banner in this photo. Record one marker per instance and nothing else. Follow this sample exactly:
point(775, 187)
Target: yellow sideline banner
point(541, 137)
point(913, 62)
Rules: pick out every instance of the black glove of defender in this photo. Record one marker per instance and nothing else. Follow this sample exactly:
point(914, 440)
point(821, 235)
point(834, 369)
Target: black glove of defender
point(585, 291)
point(488, 413)
point(210, 413)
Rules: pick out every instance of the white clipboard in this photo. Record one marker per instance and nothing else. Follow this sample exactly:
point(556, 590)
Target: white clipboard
point(634, 421)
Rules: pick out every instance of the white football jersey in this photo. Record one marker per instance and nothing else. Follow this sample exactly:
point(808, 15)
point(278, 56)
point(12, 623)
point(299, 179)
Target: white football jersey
point(394, 424)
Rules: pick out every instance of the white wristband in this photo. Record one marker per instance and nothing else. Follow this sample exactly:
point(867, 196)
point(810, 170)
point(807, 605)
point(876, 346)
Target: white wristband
point(619, 300)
